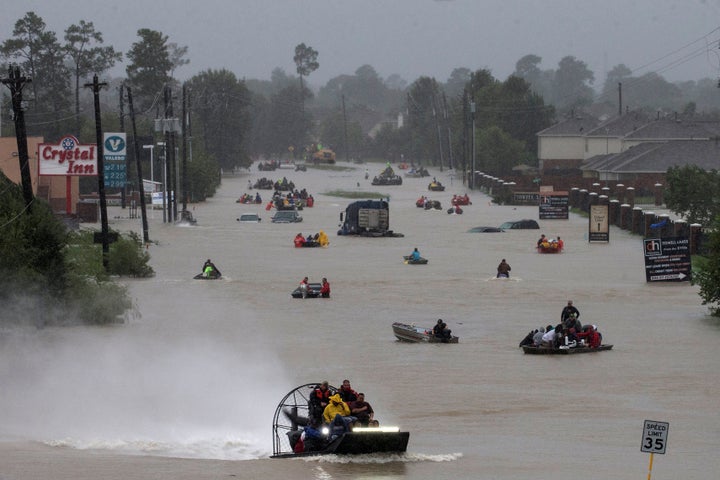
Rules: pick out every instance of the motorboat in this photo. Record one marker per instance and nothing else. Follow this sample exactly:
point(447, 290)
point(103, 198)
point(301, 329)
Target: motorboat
point(313, 291)
point(291, 417)
point(410, 261)
point(414, 334)
point(564, 349)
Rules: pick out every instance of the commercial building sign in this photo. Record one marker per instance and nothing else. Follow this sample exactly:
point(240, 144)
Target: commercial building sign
point(554, 206)
point(667, 259)
point(67, 158)
point(115, 159)
point(599, 227)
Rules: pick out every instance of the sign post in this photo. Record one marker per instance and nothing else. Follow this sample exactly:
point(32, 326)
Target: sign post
point(654, 439)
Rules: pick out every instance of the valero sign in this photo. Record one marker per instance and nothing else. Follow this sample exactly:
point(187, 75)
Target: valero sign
point(68, 158)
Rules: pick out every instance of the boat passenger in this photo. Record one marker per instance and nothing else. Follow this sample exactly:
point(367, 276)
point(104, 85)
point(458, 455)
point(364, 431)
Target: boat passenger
point(313, 439)
point(337, 407)
point(304, 287)
point(594, 339)
point(415, 255)
point(548, 339)
point(541, 240)
point(323, 239)
point(325, 288)
point(441, 331)
point(299, 240)
point(317, 402)
point(210, 270)
point(560, 243)
point(257, 198)
point(362, 410)
point(346, 392)
point(537, 338)
point(503, 269)
point(567, 310)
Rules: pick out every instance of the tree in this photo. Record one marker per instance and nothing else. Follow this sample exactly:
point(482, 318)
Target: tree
point(571, 89)
point(707, 271)
point(150, 66)
point(280, 123)
point(82, 44)
point(306, 62)
point(693, 193)
point(220, 105)
point(177, 56)
point(498, 152)
point(41, 57)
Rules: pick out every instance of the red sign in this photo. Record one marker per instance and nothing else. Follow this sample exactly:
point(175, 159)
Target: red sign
point(68, 157)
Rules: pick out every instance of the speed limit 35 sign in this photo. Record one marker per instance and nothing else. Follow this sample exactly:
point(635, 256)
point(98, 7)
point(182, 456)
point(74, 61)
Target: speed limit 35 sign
point(655, 436)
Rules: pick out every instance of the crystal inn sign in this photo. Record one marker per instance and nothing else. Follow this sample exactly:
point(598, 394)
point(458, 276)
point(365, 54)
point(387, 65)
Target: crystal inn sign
point(68, 158)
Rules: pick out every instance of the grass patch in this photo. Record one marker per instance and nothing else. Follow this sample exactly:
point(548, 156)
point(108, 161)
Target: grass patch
point(355, 194)
point(332, 168)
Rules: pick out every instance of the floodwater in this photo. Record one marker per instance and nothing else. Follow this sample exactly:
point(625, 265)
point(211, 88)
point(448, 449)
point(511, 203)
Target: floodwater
point(186, 389)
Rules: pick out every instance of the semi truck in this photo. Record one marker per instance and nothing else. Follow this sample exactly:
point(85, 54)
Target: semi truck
point(367, 218)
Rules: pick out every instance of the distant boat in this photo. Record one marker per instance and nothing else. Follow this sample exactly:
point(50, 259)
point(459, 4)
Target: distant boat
point(413, 334)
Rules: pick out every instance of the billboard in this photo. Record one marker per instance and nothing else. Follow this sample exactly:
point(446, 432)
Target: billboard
point(554, 206)
point(599, 223)
point(667, 259)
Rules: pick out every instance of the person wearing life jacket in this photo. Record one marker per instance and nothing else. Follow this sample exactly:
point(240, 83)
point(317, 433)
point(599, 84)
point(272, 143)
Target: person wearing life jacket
point(318, 400)
point(325, 288)
point(299, 240)
point(594, 339)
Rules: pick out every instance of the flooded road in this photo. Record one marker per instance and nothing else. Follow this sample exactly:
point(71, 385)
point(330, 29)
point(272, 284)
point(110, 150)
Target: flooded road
point(187, 388)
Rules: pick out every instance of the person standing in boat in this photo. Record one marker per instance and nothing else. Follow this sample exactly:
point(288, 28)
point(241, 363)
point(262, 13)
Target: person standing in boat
point(325, 288)
point(569, 310)
point(503, 269)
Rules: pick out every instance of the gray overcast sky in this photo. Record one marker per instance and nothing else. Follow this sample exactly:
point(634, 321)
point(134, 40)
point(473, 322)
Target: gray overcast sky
point(678, 39)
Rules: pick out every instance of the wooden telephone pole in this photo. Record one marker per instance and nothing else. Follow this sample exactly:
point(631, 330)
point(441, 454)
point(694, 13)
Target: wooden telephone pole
point(15, 83)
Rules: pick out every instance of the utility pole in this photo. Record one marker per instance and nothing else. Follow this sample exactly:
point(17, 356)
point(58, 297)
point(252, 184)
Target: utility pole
point(123, 199)
point(347, 158)
point(138, 163)
point(184, 149)
point(619, 99)
point(95, 85)
point(449, 133)
point(15, 83)
point(472, 155)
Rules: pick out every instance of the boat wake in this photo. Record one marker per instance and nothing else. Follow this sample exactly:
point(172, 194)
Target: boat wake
point(383, 458)
point(202, 448)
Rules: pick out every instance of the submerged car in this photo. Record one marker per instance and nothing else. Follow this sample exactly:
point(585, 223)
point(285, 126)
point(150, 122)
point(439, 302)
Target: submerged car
point(485, 230)
point(249, 218)
point(520, 224)
point(286, 216)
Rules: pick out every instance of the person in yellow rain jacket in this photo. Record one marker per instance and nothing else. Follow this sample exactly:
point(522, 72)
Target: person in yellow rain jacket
point(323, 239)
point(336, 406)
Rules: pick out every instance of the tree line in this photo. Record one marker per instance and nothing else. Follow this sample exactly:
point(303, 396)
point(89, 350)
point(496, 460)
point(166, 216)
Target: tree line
point(235, 120)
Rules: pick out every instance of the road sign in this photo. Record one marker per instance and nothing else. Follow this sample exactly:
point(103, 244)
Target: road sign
point(654, 436)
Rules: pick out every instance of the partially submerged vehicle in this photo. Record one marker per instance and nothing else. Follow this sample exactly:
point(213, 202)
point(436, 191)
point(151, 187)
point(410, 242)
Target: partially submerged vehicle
point(526, 223)
point(286, 216)
point(324, 155)
point(414, 334)
point(291, 417)
point(387, 180)
point(367, 218)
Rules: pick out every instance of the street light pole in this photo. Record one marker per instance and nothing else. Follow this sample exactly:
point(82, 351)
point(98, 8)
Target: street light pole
point(472, 160)
point(151, 148)
point(163, 152)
